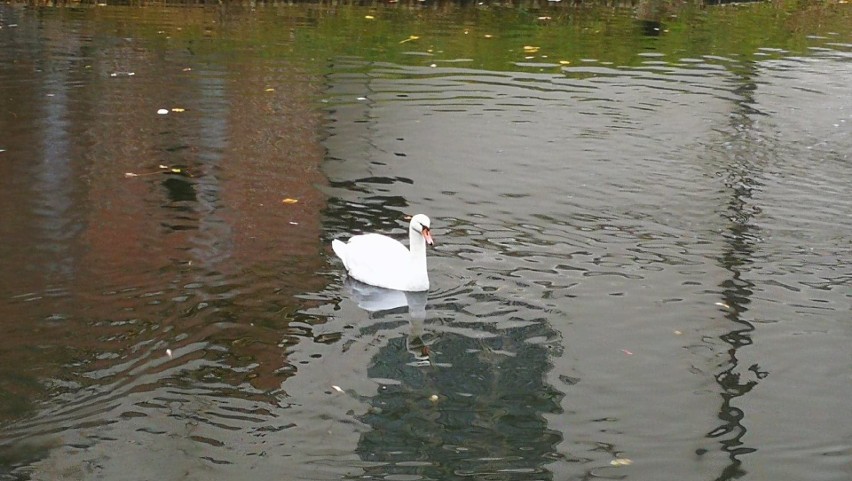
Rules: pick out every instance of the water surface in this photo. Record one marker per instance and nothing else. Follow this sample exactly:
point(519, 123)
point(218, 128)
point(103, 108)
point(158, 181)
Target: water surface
point(642, 267)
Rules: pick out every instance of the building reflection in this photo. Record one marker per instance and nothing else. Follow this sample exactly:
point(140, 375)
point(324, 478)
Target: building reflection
point(121, 290)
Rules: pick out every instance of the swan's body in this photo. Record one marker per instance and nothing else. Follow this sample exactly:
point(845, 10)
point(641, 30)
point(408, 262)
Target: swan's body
point(378, 260)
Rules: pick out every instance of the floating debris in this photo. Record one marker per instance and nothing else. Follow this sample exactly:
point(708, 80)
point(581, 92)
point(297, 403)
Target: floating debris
point(164, 169)
point(433, 398)
point(410, 38)
point(163, 111)
point(169, 352)
point(337, 388)
point(369, 17)
point(531, 49)
point(625, 351)
point(289, 200)
point(722, 304)
point(122, 74)
point(621, 462)
point(178, 109)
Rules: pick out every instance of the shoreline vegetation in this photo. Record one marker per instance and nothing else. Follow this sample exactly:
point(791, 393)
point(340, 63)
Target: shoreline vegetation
point(815, 13)
point(552, 5)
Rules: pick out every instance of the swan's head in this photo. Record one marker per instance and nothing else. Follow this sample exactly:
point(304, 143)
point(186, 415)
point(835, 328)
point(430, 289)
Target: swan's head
point(420, 224)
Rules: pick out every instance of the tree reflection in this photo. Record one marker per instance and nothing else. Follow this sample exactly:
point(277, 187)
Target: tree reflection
point(737, 290)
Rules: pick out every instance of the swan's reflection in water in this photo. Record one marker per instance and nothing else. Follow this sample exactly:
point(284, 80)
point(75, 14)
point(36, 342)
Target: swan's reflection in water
point(378, 299)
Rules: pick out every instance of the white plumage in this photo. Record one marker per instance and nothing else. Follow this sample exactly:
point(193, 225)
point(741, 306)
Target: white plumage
point(379, 260)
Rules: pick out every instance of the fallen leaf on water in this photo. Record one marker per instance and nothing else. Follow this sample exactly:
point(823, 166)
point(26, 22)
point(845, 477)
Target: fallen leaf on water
point(288, 200)
point(722, 304)
point(488, 35)
point(337, 388)
point(270, 89)
point(410, 38)
point(564, 62)
point(178, 109)
point(187, 69)
point(531, 49)
point(369, 17)
point(163, 169)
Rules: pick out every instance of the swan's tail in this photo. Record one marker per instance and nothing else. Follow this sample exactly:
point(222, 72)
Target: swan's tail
point(340, 249)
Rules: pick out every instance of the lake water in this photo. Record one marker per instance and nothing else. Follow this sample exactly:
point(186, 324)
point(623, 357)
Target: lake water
point(642, 269)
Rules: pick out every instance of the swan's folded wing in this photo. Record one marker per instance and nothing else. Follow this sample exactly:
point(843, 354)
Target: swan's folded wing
point(376, 259)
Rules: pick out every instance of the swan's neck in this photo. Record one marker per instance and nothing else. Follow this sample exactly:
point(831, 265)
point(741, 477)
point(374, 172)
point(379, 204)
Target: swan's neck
point(417, 247)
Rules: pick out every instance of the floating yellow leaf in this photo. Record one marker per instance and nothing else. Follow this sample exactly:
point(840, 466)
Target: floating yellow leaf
point(488, 35)
point(369, 17)
point(270, 89)
point(176, 171)
point(410, 38)
point(288, 200)
point(531, 49)
point(564, 62)
point(178, 109)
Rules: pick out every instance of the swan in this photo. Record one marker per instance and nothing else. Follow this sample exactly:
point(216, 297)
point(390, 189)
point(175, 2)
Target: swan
point(378, 260)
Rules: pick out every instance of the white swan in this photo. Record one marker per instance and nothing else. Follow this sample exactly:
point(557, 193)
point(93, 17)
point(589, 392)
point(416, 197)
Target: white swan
point(378, 260)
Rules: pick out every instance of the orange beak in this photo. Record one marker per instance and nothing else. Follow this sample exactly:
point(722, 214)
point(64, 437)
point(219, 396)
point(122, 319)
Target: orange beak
point(427, 236)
